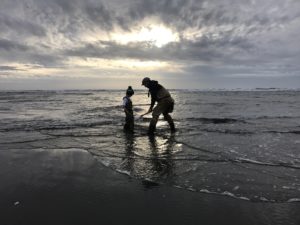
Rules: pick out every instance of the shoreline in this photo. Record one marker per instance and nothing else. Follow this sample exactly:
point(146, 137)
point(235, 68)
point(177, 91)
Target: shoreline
point(61, 187)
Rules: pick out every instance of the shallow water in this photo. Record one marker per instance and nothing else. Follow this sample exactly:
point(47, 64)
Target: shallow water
point(241, 144)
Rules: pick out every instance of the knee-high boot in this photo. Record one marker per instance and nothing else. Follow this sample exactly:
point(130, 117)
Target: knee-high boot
point(169, 119)
point(152, 125)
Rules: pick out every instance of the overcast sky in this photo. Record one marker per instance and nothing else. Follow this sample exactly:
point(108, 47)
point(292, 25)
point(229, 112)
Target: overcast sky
point(198, 44)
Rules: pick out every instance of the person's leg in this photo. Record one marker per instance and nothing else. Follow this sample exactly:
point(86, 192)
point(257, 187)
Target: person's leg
point(125, 127)
point(155, 115)
point(168, 108)
point(152, 125)
point(131, 124)
point(169, 119)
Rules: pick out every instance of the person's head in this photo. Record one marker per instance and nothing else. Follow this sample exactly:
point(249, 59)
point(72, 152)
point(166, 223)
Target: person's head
point(129, 91)
point(146, 81)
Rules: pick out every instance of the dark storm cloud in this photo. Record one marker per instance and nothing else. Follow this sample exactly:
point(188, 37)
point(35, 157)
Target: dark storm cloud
point(254, 16)
point(12, 51)
point(100, 15)
point(177, 13)
point(8, 45)
point(73, 17)
point(9, 24)
point(182, 14)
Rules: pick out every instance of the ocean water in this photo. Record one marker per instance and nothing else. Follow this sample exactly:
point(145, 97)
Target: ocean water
point(241, 144)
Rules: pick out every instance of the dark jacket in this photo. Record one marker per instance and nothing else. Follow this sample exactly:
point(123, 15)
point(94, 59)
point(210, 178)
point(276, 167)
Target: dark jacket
point(157, 92)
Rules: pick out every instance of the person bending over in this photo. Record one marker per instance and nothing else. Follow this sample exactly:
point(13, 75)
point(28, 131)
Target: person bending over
point(165, 103)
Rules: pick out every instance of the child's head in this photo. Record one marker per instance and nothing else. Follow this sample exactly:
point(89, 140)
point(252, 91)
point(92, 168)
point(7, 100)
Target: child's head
point(129, 91)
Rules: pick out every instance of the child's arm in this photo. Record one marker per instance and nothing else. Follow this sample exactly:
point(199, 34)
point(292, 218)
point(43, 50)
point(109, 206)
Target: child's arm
point(125, 102)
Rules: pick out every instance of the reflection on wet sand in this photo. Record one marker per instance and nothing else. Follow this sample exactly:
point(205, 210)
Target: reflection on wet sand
point(161, 157)
point(128, 161)
point(149, 158)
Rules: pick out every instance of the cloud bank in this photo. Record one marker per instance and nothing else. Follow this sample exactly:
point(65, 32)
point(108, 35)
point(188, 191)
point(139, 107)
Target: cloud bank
point(196, 41)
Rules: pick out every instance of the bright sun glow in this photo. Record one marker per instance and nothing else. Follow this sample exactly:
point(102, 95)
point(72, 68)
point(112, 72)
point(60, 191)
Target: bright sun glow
point(124, 64)
point(159, 35)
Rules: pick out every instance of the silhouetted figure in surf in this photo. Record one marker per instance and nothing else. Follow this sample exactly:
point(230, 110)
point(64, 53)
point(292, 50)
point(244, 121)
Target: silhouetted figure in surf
point(127, 106)
point(165, 103)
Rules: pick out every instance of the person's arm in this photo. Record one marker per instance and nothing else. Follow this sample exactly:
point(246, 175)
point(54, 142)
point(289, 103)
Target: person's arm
point(154, 88)
point(152, 102)
point(125, 101)
point(152, 105)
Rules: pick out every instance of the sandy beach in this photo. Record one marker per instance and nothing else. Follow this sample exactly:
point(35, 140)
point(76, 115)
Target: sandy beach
point(71, 187)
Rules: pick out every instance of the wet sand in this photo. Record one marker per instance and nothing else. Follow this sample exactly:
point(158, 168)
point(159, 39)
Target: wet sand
point(62, 187)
